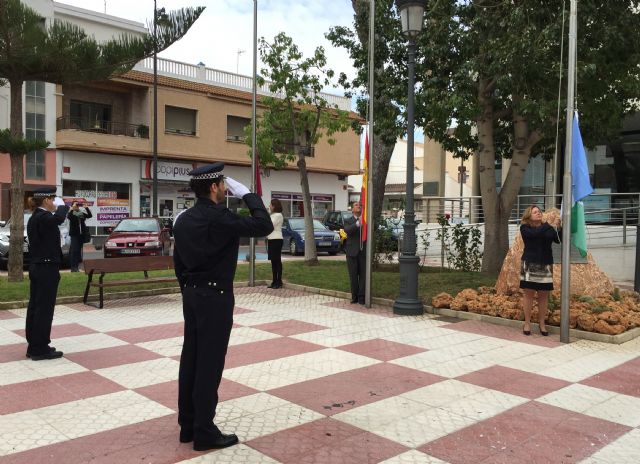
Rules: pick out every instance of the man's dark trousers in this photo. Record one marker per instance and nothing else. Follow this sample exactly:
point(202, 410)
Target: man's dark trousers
point(75, 251)
point(356, 267)
point(43, 287)
point(208, 316)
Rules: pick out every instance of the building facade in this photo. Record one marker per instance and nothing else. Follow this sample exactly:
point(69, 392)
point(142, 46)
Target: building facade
point(102, 139)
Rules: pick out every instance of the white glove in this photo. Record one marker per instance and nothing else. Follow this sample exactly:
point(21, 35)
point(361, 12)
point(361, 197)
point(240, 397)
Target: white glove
point(236, 188)
point(57, 201)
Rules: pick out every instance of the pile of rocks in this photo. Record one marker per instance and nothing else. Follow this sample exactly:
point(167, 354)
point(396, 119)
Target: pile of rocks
point(609, 314)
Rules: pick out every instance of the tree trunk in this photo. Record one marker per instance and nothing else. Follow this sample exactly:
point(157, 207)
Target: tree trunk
point(16, 240)
point(381, 158)
point(310, 252)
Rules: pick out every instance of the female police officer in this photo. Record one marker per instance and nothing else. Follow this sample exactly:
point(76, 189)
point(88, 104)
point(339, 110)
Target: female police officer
point(45, 256)
point(205, 256)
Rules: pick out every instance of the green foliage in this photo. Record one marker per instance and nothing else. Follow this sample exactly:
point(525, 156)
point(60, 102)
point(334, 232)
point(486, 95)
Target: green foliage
point(599, 308)
point(586, 299)
point(461, 245)
point(19, 145)
point(243, 212)
point(299, 116)
point(554, 303)
point(616, 294)
point(384, 246)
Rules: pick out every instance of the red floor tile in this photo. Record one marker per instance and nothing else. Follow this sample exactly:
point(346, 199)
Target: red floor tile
point(514, 381)
point(504, 332)
point(230, 390)
point(289, 327)
point(532, 432)
point(340, 392)
point(375, 309)
point(383, 350)
point(55, 390)
point(281, 292)
point(14, 352)
point(109, 357)
point(150, 333)
point(239, 310)
point(624, 379)
point(165, 393)
point(326, 441)
point(266, 350)
point(64, 330)
point(6, 314)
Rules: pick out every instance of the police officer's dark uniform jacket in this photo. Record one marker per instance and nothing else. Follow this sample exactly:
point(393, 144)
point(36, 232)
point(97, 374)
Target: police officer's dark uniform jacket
point(45, 256)
point(205, 256)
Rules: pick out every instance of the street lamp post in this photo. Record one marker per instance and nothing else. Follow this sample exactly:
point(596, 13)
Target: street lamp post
point(408, 303)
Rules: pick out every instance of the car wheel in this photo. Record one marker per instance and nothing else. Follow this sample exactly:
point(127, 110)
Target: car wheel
point(293, 248)
point(333, 253)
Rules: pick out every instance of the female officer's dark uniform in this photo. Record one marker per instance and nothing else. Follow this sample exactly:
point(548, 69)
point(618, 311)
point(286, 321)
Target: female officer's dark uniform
point(205, 255)
point(45, 257)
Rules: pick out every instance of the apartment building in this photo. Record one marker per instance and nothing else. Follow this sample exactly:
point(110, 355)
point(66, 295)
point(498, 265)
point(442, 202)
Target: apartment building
point(102, 137)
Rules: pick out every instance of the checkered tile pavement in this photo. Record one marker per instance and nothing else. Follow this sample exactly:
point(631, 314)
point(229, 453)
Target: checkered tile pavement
point(313, 379)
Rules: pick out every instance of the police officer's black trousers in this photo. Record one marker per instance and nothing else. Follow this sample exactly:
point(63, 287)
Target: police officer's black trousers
point(208, 317)
point(43, 288)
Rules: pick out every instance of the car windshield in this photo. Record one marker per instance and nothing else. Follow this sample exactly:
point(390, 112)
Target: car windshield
point(298, 224)
point(346, 214)
point(137, 225)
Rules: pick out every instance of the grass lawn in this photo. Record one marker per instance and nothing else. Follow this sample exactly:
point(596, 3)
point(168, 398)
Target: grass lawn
point(329, 274)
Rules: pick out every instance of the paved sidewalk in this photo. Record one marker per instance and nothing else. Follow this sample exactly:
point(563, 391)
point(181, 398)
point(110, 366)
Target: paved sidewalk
point(313, 379)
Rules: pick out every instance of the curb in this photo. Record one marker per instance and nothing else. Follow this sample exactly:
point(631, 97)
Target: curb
point(573, 333)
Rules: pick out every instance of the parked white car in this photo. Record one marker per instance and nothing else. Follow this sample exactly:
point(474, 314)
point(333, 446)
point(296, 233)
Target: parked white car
point(5, 227)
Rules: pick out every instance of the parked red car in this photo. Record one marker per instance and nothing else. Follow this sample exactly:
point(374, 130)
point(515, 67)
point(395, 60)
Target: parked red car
point(138, 237)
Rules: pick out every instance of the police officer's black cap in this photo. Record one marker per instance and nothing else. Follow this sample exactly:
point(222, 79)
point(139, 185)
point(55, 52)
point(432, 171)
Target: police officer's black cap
point(43, 192)
point(209, 171)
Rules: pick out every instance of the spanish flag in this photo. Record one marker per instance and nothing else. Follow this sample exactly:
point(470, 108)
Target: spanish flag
point(363, 192)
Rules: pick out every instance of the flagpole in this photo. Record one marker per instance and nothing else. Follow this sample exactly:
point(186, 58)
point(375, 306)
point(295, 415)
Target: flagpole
point(567, 202)
point(369, 186)
point(252, 240)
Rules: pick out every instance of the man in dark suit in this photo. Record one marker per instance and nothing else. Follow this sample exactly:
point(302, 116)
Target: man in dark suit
point(45, 256)
point(205, 256)
point(356, 252)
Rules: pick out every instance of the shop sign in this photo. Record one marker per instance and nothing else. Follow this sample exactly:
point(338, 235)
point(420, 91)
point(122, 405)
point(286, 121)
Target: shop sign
point(166, 170)
point(107, 209)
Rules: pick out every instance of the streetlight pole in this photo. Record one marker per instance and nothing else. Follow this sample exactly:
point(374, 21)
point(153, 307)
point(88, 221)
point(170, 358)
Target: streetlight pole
point(408, 303)
point(154, 193)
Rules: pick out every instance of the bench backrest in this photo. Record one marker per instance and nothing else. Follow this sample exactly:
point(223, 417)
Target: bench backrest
point(137, 263)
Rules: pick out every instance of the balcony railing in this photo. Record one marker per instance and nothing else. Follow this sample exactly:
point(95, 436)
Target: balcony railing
point(103, 127)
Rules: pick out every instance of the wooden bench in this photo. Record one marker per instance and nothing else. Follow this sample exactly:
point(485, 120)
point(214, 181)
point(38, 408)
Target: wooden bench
point(135, 264)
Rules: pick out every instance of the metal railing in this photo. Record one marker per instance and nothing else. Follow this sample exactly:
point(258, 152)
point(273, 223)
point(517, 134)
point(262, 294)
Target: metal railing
point(202, 74)
point(103, 127)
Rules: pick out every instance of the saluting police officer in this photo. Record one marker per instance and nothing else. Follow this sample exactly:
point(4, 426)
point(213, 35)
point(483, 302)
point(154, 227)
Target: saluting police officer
point(45, 256)
point(205, 255)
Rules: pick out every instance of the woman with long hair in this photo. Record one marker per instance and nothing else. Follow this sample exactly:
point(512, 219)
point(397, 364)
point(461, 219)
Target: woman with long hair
point(274, 243)
point(536, 267)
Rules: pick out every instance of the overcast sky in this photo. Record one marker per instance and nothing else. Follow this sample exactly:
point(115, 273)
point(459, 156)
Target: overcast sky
point(226, 26)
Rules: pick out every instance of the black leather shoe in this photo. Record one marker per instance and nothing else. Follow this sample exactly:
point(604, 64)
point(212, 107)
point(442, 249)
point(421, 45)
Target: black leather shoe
point(51, 348)
point(186, 435)
point(221, 441)
point(50, 355)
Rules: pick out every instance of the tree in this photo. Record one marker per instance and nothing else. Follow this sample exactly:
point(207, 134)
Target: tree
point(390, 89)
point(489, 68)
point(493, 67)
point(61, 52)
point(295, 120)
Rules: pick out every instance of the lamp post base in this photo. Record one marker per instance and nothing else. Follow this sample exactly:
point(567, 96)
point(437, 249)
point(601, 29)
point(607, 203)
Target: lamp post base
point(408, 303)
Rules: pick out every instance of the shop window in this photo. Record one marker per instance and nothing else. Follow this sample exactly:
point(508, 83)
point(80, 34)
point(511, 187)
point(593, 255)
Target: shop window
point(235, 128)
point(35, 128)
point(179, 120)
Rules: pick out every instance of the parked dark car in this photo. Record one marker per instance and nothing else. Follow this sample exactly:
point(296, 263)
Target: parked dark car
point(293, 237)
point(138, 237)
point(334, 220)
point(5, 227)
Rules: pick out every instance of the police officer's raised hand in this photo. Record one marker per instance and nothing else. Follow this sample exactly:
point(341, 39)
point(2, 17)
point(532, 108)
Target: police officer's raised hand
point(57, 201)
point(236, 189)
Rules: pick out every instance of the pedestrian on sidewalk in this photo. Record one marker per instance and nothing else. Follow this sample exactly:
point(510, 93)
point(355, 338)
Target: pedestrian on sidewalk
point(207, 239)
point(78, 232)
point(49, 211)
point(536, 266)
point(274, 243)
point(356, 252)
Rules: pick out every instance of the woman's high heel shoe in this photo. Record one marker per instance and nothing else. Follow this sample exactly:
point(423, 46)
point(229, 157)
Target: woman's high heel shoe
point(526, 332)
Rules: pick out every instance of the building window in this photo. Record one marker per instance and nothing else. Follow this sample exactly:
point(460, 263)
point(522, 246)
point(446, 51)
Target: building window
point(179, 120)
point(35, 128)
point(293, 205)
point(235, 128)
point(89, 115)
